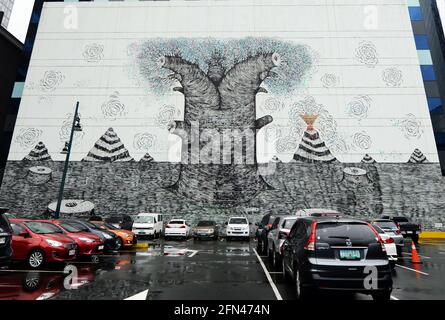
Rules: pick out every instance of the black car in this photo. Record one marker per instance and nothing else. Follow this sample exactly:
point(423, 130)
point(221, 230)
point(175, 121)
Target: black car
point(5, 239)
point(336, 254)
point(111, 241)
point(261, 234)
point(408, 229)
point(123, 222)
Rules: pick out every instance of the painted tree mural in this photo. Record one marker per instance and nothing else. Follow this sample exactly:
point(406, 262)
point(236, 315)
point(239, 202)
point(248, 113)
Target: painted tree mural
point(220, 81)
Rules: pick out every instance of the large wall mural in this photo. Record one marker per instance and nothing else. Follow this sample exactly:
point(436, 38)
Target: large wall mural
point(212, 117)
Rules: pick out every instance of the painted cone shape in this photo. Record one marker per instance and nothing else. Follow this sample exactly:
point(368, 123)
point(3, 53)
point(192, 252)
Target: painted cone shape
point(109, 148)
point(39, 153)
point(147, 158)
point(367, 159)
point(312, 149)
point(418, 157)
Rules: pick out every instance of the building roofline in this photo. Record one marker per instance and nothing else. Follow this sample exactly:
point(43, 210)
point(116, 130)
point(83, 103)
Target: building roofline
point(13, 40)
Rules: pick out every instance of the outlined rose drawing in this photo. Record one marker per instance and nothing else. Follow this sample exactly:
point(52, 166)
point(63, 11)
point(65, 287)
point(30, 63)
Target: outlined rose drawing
point(51, 80)
point(366, 53)
point(393, 77)
point(28, 137)
point(93, 52)
point(359, 107)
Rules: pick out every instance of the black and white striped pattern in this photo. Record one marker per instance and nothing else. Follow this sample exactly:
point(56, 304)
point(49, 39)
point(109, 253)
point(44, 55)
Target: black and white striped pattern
point(39, 153)
point(147, 158)
point(313, 150)
point(109, 148)
point(418, 157)
point(367, 159)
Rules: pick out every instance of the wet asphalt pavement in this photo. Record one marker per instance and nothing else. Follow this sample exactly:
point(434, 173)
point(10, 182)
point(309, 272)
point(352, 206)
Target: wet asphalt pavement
point(202, 270)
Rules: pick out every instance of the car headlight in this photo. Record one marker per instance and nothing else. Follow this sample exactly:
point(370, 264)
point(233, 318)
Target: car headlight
point(54, 243)
point(106, 235)
point(87, 240)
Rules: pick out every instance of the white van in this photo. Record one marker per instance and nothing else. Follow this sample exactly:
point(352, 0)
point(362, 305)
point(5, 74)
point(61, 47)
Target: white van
point(148, 224)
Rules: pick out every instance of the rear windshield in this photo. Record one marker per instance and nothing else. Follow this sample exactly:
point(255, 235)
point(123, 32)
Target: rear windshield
point(289, 223)
point(42, 227)
point(238, 221)
point(144, 219)
point(332, 232)
point(206, 224)
point(386, 224)
point(177, 222)
point(400, 219)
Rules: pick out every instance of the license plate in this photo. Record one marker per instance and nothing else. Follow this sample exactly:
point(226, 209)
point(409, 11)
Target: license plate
point(409, 232)
point(350, 255)
point(2, 240)
point(100, 247)
point(141, 232)
point(72, 252)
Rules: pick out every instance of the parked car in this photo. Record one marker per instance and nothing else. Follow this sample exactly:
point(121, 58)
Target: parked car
point(238, 228)
point(391, 229)
point(206, 230)
point(123, 222)
point(5, 239)
point(390, 246)
point(177, 228)
point(336, 254)
point(408, 229)
point(316, 212)
point(111, 241)
point(126, 238)
point(89, 245)
point(276, 237)
point(148, 224)
point(262, 231)
point(37, 243)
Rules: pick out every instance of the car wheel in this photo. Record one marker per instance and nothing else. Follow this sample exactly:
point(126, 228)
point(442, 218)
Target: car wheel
point(301, 292)
point(275, 258)
point(119, 244)
point(382, 296)
point(94, 258)
point(36, 259)
point(31, 281)
point(269, 255)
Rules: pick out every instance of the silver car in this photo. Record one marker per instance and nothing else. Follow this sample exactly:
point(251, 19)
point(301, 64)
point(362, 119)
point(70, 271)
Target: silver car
point(391, 229)
point(277, 235)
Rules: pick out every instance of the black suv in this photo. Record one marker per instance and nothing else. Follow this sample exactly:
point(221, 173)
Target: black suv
point(5, 239)
point(261, 234)
point(336, 254)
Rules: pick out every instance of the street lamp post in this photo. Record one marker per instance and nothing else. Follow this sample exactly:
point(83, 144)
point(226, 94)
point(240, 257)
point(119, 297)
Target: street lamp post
point(67, 150)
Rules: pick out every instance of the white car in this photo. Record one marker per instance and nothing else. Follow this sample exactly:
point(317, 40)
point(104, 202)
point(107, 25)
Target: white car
point(277, 235)
point(317, 212)
point(238, 227)
point(177, 228)
point(390, 246)
point(148, 224)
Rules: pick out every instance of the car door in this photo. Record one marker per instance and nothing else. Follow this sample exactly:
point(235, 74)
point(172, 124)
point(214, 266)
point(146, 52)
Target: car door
point(288, 248)
point(273, 234)
point(20, 244)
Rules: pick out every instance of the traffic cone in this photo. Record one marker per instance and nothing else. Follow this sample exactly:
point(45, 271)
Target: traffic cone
point(415, 258)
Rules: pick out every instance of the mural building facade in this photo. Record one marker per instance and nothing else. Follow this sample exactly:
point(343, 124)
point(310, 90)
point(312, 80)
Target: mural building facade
point(203, 109)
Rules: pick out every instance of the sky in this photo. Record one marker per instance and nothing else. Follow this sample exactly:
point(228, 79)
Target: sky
point(22, 11)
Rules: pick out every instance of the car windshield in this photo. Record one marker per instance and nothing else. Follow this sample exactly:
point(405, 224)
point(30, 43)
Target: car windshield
point(177, 222)
point(386, 224)
point(378, 229)
point(42, 227)
point(70, 228)
point(75, 225)
point(206, 224)
point(110, 226)
point(400, 219)
point(238, 221)
point(289, 223)
point(89, 225)
point(144, 219)
point(332, 231)
point(114, 220)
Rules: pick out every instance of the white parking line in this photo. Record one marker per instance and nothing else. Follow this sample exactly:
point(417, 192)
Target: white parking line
point(409, 254)
point(138, 297)
point(272, 284)
point(414, 270)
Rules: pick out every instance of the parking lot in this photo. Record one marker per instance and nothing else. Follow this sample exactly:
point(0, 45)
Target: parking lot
point(209, 270)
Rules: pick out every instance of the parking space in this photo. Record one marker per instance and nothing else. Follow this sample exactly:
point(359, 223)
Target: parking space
point(209, 270)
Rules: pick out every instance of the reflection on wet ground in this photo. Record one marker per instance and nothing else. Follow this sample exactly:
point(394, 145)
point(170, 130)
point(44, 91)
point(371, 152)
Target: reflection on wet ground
point(209, 270)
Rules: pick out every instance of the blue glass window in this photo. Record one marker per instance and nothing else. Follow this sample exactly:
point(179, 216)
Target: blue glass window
point(415, 13)
point(434, 103)
point(428, 73)
point(421, 42)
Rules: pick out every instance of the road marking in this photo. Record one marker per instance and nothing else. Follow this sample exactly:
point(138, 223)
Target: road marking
point(272, 284)
point(425, 257)
point(276, 272)
point(394, 298)
point(193, 252)
point(417, 271)
point(139, 296)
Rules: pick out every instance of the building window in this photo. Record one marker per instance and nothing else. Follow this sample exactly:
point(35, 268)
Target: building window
point(421, 42)
point(434, 103)
point(415, 13)
point(428, 73)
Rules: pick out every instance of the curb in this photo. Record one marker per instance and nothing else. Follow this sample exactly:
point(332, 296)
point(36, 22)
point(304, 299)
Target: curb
point(432, 235)
point(141, 246)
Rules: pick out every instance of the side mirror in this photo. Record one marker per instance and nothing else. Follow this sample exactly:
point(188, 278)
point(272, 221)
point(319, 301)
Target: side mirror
point(226, 223)
point(250, 223)
point(24, 234)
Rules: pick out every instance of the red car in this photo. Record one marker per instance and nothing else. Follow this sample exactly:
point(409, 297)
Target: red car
point(38, 242)
point(88, 244)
